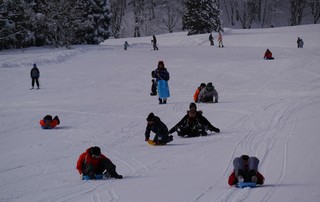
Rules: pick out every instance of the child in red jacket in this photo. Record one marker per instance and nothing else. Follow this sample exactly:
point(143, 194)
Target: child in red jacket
point(268, 55)
point(48, 123)
point(92, 163)
point(245, 170)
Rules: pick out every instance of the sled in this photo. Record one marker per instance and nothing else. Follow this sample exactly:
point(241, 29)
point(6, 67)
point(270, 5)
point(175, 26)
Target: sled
point(163, 89)
point(150, 142)
point(98, 177)
point(246, 184)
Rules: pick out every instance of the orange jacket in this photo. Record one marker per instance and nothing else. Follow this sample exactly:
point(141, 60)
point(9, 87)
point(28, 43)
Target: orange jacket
point(196, 94)
point(53, 124)
point(86, 158)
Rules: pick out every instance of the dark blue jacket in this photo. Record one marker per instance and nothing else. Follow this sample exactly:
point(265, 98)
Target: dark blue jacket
point(161, 74)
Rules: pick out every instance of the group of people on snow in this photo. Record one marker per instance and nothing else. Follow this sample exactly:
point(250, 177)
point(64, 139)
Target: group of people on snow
point(211, 39)
point(206, 93)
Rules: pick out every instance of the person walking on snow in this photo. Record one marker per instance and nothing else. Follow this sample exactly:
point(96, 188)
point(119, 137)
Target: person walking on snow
point(245, 170)
point(220, 40)
point(35, 74)
point(155, 125)
point(92, 163)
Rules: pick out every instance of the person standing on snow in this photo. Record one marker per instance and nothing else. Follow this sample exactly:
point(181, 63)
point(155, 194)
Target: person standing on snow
point(155, 125)
point(245, 170)
point(162, 77)
point(35, 74)
point(154, 43)
point(220, 40)
point(211, 40)
point(125, 45)
point(92, 163)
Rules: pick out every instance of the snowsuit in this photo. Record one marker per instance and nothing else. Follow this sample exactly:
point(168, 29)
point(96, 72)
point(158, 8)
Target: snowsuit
point(193, 127)
point(161, 131)
point(88, 165)
point(268, 55)
point(161, 73)
point(48, 123)
point(35, 74)
point(245, 171)
point(211, 40)
point(207, 94)
point(154, 42)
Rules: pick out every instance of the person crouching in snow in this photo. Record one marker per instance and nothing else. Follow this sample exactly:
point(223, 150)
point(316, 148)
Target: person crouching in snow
point(48, 123)
point(268, 55)
point(92, 163)
point(193, 124)
point(245, 170)
point(208, 93)
point(155, 125)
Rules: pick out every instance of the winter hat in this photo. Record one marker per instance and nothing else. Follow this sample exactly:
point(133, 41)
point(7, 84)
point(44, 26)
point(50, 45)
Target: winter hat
point(209, 86)
point(245, 157)
point(161, 63)
point(193, 106)
point(150, 117)
point(34, 65)
point(203, 85)
point(95, 151)
point(47, 118)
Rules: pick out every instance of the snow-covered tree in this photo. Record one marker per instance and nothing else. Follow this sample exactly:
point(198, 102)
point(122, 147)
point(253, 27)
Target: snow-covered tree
point(315, 9)
point(297, 8)
point(202, 16)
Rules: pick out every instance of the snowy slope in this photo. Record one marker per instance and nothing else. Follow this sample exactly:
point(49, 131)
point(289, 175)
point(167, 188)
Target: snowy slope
point(269, 109)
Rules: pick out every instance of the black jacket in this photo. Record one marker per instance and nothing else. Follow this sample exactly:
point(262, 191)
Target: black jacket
point(159, 128)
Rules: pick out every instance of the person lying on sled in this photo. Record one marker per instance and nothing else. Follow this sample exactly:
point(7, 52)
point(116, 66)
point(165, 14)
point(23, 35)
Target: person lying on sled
point(245, 170)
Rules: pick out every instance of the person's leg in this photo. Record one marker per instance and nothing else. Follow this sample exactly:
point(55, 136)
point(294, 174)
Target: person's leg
point(32, 82)
point(238, 166)
point(253, 168)
point(37, 82)
point(89, 170)
point(106, 164)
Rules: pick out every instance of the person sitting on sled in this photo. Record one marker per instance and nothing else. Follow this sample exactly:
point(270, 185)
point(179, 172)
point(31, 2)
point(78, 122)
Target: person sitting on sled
point(92, 163)
point(48, 123)
point(159, 128)
point(268, 55)
point(196, 94)
point(245, 170)
point(193, 124)
point(208, 94)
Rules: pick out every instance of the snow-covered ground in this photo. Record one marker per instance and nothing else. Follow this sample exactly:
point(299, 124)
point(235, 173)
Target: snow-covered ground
point(268, 109)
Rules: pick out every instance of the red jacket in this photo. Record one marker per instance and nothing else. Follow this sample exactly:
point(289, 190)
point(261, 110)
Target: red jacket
point(53, 124)
point(86, 158)
point(233, 179)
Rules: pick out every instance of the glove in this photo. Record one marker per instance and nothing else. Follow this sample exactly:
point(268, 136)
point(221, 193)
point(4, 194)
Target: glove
point(146, 139)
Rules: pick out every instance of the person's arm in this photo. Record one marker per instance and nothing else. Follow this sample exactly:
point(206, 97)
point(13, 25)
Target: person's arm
point(232, 179)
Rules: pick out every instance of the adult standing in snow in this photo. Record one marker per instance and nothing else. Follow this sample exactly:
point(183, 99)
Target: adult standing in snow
point(208, 94)
point(125, 45)
point(154, 43)
point(220, 40)
point(35, 74)
point(196, 94)
point(155, 125)
point(300, 42)
point(193, 124)
point(245, 170)
point(92, 163)
point(211, 40)
point(162, 77)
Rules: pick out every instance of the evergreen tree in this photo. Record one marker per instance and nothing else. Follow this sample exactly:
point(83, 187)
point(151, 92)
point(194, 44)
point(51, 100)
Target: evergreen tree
point(202, 16)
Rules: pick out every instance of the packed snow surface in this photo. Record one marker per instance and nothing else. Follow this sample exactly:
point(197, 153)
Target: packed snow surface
point(267, 109)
